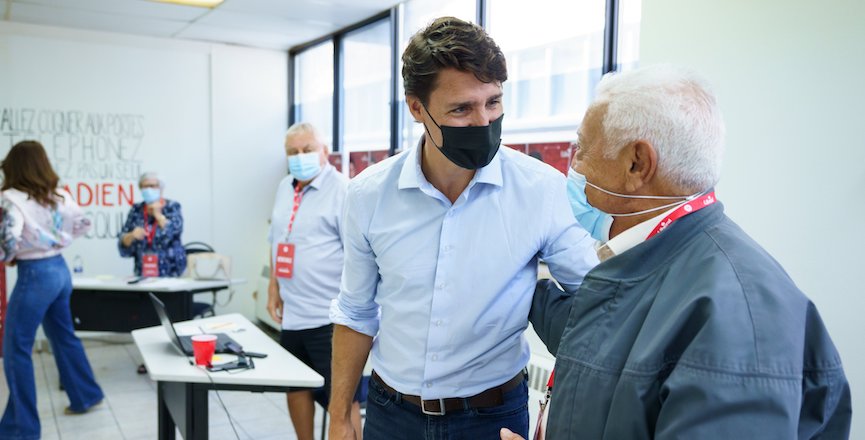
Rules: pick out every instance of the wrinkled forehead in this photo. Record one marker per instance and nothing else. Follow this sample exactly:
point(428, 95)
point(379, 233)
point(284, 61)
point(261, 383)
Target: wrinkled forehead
point(591, 130)
point(303, 140)
point(149, 182)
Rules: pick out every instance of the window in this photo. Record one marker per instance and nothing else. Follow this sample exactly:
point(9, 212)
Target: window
point(366, 87)
point(313, 97)
point(555, 55)
point(628, 49)
point(417, 14)
point(554, 63)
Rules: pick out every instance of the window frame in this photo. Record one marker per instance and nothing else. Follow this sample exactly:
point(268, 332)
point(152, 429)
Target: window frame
point(394, 17)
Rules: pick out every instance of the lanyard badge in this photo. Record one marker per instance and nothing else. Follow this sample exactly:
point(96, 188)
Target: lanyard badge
point(284, 264)
point(149, 260)
point(150, 265)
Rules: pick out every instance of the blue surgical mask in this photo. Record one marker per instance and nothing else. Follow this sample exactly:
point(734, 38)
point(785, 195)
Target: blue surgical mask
point(150, 195)
point(592, 219)
point(304, 166)
point(597, 222)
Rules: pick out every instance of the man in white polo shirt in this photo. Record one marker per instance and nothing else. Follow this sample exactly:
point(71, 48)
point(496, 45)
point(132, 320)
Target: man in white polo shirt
point(306, 264)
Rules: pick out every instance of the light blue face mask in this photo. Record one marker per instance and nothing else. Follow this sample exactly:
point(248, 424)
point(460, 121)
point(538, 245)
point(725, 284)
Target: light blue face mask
point(304, 166)
point(150, 195)
point(597, 222)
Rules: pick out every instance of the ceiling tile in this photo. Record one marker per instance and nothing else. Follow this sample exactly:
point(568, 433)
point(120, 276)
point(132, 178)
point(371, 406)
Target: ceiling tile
point(279, 24)
point(268, 40)
point(56, 16)
point(136, 8)
point(265, 23)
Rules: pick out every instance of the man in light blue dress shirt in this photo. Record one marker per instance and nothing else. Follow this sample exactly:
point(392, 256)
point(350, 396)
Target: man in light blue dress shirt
point(306, 219)
point(441, 252)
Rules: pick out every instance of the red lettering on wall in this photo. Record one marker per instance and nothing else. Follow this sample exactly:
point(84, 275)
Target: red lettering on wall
point(80, 198)
point(123, 197)
point(107, 192)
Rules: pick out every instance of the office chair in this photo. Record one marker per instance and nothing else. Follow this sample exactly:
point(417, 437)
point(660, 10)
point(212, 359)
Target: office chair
point(200, 309)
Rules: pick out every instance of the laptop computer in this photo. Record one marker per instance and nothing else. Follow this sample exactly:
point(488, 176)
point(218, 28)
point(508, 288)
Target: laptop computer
point(184, 343)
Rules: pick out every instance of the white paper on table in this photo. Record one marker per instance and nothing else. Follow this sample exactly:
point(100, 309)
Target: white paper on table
point(164, 282)
point(187, 330)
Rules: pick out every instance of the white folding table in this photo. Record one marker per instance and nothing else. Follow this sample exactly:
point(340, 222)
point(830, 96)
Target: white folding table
point(182, 387)
point(112, 304)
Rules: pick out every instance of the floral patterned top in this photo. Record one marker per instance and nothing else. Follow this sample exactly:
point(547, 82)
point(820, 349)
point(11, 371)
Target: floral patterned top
point(30, 230)
point(166, 242)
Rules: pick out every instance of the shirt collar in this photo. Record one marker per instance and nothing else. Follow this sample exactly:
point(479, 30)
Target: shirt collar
point(411, 174)
point(630, 237)
point(317, 180)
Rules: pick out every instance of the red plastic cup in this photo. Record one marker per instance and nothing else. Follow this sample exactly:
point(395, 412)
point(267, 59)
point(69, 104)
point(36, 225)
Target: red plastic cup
point(203, 347)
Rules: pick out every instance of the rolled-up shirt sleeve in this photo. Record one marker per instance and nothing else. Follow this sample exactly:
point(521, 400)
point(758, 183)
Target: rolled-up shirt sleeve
point(355, 306)
point(569, 250)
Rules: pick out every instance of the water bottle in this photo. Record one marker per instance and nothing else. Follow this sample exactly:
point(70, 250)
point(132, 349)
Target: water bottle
point(77, 265)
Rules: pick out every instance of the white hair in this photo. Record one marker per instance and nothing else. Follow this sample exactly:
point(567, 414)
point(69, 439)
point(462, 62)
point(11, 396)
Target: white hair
point(305, 127)
point(672, 108)
point(151, 175)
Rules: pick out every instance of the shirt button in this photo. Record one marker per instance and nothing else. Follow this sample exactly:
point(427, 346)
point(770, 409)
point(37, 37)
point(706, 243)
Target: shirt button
point(428, 385)
point(435, 357)
point(441, 286)
point(439, 323)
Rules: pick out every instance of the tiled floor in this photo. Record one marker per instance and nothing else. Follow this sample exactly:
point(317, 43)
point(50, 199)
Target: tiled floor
point(129, 409)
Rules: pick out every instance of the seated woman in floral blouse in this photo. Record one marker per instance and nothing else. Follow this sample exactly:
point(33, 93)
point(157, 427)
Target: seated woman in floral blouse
point(152, 232)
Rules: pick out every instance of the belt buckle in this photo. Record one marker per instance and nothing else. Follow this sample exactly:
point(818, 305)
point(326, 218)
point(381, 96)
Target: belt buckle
point(433, 413)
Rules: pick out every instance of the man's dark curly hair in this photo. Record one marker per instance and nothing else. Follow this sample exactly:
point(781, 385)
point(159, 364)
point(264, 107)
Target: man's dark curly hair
point(449, 42)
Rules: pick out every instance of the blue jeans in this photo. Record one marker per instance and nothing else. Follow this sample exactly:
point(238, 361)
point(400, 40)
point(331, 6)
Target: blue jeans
point(390, 417)
point(41, 295)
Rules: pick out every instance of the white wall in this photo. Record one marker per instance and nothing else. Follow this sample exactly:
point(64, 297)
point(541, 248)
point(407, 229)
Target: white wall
point(250, 116)
point(788, 75)
point(209, 118)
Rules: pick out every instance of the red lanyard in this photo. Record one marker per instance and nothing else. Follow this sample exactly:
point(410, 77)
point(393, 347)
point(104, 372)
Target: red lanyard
point(298, 194)
point(683, 210)
point(149, 229)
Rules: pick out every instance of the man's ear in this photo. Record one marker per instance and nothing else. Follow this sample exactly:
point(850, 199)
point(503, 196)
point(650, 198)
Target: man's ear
point(415, 107)
point(643, 161)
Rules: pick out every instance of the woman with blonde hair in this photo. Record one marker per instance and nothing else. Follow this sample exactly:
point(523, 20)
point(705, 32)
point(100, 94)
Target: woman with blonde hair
point(40, 220)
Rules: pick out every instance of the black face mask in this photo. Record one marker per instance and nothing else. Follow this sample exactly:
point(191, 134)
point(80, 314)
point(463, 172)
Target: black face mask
point(469, 147)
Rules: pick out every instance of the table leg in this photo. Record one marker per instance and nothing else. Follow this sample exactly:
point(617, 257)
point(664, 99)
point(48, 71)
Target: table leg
point(185, 406)
point(166, 423)
point(199, 411)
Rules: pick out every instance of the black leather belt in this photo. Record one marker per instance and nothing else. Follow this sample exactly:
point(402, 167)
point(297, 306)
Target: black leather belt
point(439, 407)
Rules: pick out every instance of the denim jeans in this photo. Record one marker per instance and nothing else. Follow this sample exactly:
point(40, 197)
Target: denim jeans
point(41, 295)
point(390, 417)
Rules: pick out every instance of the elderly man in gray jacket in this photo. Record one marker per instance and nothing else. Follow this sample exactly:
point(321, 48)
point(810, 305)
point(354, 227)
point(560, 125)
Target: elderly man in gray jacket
point(687, 329)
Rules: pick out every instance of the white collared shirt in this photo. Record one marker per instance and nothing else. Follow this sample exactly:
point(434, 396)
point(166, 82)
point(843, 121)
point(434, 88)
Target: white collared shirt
point(631, 237)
